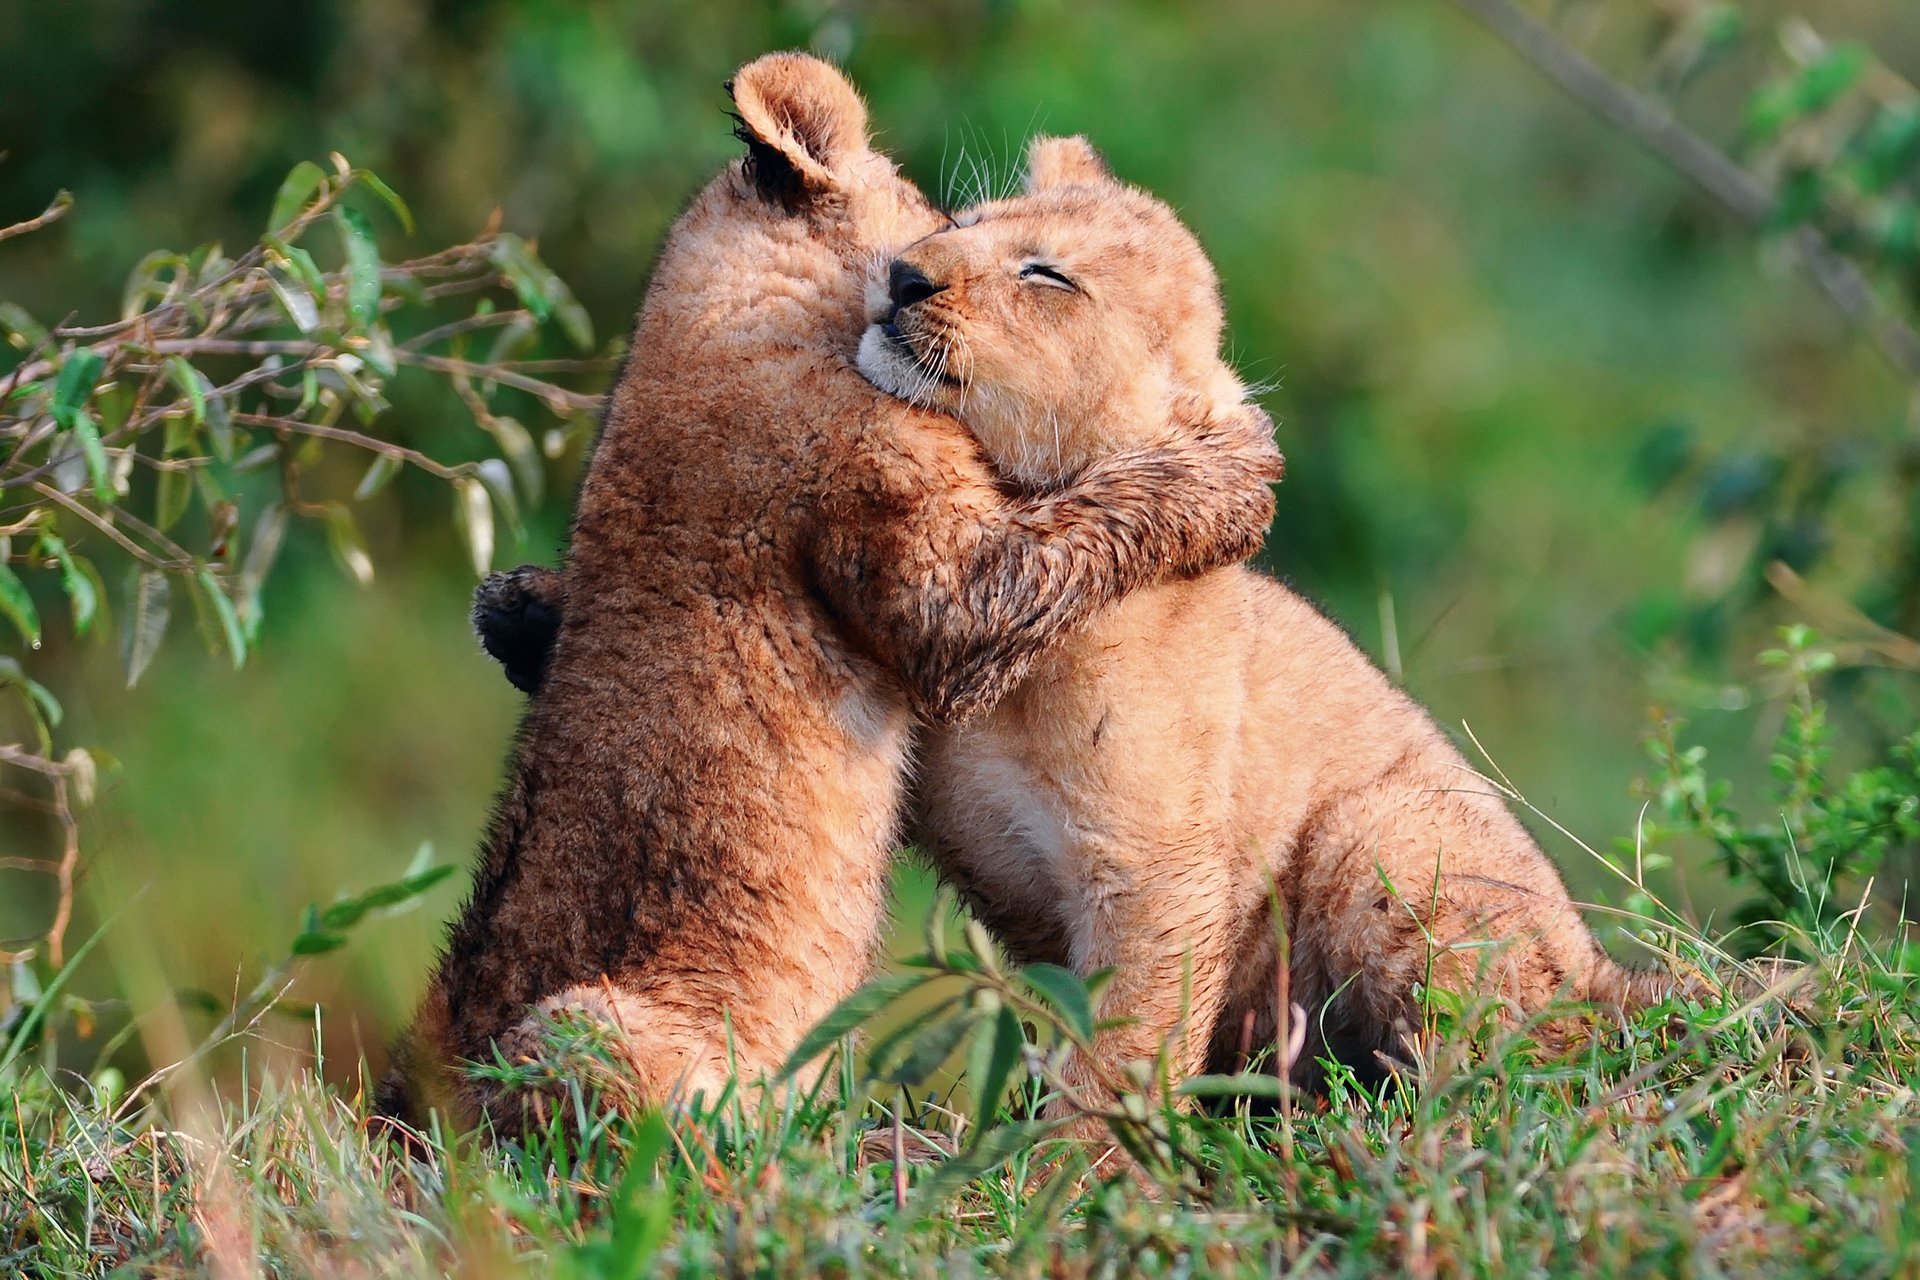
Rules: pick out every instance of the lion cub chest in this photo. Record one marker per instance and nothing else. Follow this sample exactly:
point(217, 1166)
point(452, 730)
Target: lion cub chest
point(1127, 731)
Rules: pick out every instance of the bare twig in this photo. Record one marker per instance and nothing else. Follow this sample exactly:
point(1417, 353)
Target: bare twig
point(411, 456)
point(106, 526)
point(225, 347)
point(491, 320)
point(559, 399)
point(1699, 161)
point(54, 212)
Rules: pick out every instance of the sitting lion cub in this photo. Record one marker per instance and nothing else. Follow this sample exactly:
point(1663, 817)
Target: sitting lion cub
point(1206, 747)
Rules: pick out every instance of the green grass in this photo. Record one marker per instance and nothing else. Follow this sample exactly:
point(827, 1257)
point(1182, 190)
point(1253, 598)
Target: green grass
point(1771, 1136)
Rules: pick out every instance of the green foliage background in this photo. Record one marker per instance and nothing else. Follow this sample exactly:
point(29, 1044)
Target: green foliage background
point(1496, 335)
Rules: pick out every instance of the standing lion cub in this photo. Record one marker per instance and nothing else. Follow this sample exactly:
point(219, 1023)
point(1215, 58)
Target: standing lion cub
point(1205, 748)
point(773, 568)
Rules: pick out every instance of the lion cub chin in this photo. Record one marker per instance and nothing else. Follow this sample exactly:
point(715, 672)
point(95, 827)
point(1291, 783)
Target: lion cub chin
point(1210, 749)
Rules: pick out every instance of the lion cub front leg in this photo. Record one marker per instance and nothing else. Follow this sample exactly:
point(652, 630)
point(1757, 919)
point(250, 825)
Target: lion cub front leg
point(958, 586)
point(1167, 927)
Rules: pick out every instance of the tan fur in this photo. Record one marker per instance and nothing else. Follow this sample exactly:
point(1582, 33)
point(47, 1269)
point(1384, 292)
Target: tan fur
point(1206, 747)
point(772, 569)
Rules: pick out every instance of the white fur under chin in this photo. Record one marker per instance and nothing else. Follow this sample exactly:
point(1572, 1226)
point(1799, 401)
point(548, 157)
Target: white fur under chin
point(882, 363)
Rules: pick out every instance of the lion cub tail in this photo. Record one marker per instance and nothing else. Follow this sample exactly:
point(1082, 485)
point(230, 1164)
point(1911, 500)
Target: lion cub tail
point(1630, 989)
point(1634, 989)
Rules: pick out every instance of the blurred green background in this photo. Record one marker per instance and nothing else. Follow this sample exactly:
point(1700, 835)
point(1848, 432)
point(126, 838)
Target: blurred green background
point(1495, 332)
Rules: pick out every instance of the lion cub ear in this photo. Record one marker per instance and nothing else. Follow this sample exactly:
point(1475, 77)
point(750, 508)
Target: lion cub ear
point(803, 124)
point(1064, 162)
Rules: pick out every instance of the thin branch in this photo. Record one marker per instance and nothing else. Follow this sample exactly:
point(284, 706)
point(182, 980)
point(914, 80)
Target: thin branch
point(582, 364)
point(105, 526)
point(491, 319)
point(225, 347)
point(342, 434)
point(23, 759)
point(55, 211)
point(554, 396)
point(1742, 194)
point(167, 546)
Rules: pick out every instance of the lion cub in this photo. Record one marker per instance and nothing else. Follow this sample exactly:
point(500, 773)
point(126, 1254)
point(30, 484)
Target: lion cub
point(1205, 748)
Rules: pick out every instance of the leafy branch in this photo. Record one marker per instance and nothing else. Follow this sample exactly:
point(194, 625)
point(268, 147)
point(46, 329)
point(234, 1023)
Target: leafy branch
point(167, 451)
point(1845, 193)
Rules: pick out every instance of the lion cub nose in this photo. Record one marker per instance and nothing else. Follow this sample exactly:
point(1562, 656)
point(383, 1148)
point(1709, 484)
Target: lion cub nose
point(907, 284)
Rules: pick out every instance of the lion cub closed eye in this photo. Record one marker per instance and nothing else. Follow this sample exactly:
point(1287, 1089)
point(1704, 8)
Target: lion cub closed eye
point(1207, 748)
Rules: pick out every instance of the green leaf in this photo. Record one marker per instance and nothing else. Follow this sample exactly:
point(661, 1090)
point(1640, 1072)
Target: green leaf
point(524, 273)
point(301, 308)
point(498, 478)
point(348, 545)
point(993, 1150)
point(473, 518)
point(541, 291)
point(317, 942)
point(81, 595)
point(145, 621)
point(301, 265)
point(1817, 86)
point(144, 280)
point(932, 1048)
point(419, 882)
point(363, 265)
point(23, 332)
point(172, 494)
point(41, 705)
point(192, 383)
point(1802, 192)
point(385, 467)
point(1065, 993)
point(299, 187)
point(17, 606)
point(342, 914)
point(849, 1014)
point(222, 605)
point(885, 1055)
point(79, 374)
point(995, 1052)
point(263, 548)
point(1250, 1084)
point(96, 454)
point(1890, 145)
point(1822, 81)
point(373, 183)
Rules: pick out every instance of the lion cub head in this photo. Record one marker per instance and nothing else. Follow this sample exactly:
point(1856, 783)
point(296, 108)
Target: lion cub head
point(1059, 325)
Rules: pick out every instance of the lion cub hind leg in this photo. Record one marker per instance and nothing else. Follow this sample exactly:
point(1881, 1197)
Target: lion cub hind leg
point(1420, 880)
